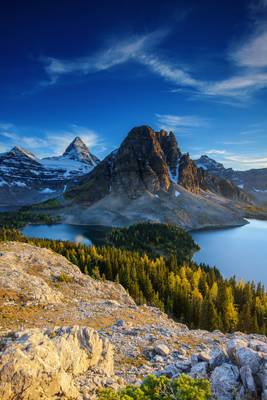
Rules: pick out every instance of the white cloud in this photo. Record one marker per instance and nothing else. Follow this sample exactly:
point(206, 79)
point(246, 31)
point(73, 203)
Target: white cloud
point(249, 56)
point(175, 122)
point(253, 53)
point(248, 161)
point(215, 152)
point(167, 71)
point(115, 53)
point(237, 86)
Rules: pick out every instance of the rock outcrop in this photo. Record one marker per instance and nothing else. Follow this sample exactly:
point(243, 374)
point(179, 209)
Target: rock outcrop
point(43, 364)
point(188, 174)
point(48, 350)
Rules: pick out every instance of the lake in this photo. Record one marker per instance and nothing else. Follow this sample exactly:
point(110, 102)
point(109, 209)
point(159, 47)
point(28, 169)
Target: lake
point(86, 234)
point(240, 251)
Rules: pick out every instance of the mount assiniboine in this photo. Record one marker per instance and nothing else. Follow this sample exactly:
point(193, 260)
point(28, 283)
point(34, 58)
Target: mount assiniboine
point(25, 179)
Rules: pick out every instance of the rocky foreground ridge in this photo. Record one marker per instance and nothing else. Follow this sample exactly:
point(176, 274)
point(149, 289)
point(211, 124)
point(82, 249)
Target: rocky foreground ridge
point(64, 334)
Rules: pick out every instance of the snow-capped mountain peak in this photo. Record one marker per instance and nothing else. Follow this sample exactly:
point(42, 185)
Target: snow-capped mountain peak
point(208, 163)
point(18, 151)
point(26, 179)
point(78, 151)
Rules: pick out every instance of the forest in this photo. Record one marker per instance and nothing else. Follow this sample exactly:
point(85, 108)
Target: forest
point(194, 294)
point(18, 219)
point(155, 239)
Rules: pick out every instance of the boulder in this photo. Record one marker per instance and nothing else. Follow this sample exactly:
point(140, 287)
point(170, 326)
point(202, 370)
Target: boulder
point(39, 363)
point(258, 345)
point(248, 357)
point(199, 370)
point(217, 357)
point(204, 356)
point(233, 345)
point(162, 350)
point(248, 380)
point(224, 381)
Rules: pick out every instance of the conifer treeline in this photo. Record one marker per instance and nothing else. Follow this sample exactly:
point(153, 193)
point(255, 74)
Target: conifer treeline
point(196, 295)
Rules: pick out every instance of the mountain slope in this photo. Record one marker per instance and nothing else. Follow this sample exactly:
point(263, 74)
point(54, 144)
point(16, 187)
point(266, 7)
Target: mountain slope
point(148, 178)
point(25, 179)
point(253, 181)
point(56, 326)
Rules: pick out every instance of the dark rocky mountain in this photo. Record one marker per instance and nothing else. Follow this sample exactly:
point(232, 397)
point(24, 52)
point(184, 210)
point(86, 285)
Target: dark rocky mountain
point(149, 178)
point(253, 181)
point(25, 179)
point(149, 161)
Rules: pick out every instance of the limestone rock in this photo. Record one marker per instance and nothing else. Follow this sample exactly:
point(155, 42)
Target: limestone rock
point(233, 345)
point(248, 380)
point(217, 357)
point(39, 363)
point(162, 350)
point(248, 357)
point(224, 381)
point(200, 370)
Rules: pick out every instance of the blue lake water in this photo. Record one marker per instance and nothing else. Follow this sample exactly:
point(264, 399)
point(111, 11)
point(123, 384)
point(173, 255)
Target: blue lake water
point(238, 251)
point(75, 233)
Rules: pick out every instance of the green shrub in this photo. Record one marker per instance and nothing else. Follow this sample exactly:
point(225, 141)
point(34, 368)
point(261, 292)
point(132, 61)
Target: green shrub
point(162, 388)
point(64, 278)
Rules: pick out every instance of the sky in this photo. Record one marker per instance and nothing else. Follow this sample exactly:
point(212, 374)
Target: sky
point(96, 69)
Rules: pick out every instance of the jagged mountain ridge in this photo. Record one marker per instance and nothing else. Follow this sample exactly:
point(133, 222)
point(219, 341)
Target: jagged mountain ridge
point(148, 178)
point(150, 161)
point(253, 181)
point(26, 179)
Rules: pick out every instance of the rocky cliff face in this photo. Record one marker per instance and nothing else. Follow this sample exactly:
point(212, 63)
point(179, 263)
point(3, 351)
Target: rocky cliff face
point(147, 161)
point(171, 151)
point(147, 178)
point(81, 334)
point(139, 165)
point(196, 179)
point(188, 174)
point(253, 181)
point(43, 363)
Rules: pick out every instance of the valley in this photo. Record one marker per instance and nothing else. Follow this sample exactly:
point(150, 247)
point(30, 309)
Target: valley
point(115, 248)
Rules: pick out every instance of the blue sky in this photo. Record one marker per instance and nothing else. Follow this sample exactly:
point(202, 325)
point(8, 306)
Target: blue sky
point(97, 68)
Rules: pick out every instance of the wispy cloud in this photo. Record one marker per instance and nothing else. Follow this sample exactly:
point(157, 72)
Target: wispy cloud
point(51, 143)
point(177, 122)
point(253, 53)
point(115, 53)
point(247, 161)
point(248, 58)
point(215, 152)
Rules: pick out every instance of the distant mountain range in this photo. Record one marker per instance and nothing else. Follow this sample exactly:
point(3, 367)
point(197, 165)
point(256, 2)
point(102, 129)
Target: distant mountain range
point(26, 179)
point(146, 178)
point(253, 181)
